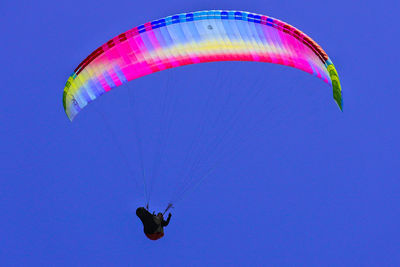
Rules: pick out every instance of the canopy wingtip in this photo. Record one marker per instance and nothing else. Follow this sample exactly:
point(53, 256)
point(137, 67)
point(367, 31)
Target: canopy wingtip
point(337, 89)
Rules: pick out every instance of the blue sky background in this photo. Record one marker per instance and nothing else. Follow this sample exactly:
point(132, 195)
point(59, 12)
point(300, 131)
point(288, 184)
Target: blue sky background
point(298, 183)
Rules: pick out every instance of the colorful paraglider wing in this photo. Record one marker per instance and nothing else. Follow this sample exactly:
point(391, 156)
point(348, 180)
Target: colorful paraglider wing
point(192, 38)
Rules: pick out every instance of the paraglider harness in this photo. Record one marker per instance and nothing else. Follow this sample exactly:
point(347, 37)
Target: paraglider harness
point(153, 224)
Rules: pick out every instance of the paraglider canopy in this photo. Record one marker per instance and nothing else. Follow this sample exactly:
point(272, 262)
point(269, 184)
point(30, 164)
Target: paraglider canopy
point(191, 38)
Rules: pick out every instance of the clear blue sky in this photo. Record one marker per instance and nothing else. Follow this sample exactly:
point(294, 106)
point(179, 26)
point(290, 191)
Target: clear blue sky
point(309, 185)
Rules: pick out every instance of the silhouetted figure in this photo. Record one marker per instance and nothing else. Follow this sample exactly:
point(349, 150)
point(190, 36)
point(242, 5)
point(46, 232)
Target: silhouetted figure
point(152, 224)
